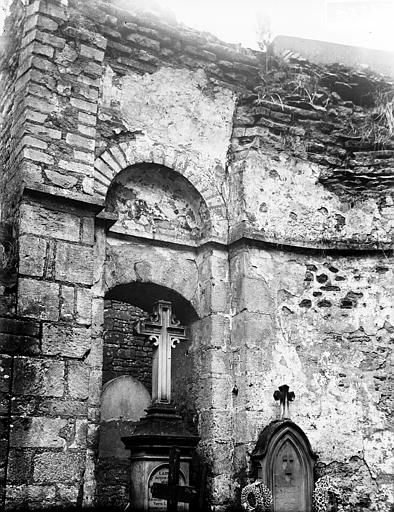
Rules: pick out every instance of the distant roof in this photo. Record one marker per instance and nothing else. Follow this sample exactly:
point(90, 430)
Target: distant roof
point(323, 52)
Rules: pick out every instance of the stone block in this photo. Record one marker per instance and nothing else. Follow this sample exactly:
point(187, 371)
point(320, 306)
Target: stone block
point(38, 156)
point(65, 340)
point(86, 119)
point(42, 406)
point(68, 493)
point(95, 357)
point(88, 185)
point(38, 377)
point(83, 156)
point(87, 236)
point(38, 299)
point(76, 167)
point(57, 467)
point(61, 180)
point(87, 130)
point(97, 316)
point(4, 404)
point(5, 373)
point(91, 53)
point(19, 496)
point(95, 383)
point(83, 105)
point(66, 302)
point(54, 10)
point(78, 379)
point(16, 344)
point(19, 466)
point(32, 251)
point(20, 327)
point(28, 140)
point(82, 142)
point(38, 432)
point(40, 221)
point(84, 306)
point(80, 433)
point(74, 263)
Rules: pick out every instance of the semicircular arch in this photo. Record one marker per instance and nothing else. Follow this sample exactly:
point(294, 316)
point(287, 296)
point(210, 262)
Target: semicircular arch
point(145, 294)
point(203, 174)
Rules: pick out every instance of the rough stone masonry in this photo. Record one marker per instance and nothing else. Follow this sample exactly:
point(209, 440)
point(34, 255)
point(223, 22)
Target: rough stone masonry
point(142, 160)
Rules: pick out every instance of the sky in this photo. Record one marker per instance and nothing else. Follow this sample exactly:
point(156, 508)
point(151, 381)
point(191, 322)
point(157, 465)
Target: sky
point(367, 23)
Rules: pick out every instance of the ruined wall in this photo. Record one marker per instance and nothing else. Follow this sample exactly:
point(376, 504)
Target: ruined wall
point(322, 324)
point(316, 144)
point(11, 113)
point(158, 165)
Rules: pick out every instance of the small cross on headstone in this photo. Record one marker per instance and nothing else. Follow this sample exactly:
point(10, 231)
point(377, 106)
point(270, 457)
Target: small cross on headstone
point(165, 331)
point(284, 396)
point(173, 492)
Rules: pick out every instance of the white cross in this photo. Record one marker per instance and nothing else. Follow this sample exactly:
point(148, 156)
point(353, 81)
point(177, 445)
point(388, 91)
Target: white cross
point(164, 331)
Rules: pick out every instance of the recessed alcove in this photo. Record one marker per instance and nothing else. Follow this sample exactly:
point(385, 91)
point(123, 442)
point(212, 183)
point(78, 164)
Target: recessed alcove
point(127, 378)
point(154, 200)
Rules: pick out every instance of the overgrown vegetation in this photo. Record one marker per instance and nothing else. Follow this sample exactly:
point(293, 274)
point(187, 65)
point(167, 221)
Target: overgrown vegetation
point(361, 103)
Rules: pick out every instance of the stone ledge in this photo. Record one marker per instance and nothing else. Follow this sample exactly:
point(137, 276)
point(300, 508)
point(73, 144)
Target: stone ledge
point(94, 203)
point(250, 236)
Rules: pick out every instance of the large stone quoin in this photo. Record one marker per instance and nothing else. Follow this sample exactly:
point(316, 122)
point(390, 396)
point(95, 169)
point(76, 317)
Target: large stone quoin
point(141, 161)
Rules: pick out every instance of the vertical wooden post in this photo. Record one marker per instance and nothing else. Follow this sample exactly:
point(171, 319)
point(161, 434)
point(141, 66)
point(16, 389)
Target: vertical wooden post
point(173, 480)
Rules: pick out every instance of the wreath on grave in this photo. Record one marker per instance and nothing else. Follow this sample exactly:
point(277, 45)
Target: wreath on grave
point(256, 497)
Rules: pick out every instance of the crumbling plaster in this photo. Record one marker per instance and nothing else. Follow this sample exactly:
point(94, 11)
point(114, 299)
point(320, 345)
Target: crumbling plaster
point(284, 202)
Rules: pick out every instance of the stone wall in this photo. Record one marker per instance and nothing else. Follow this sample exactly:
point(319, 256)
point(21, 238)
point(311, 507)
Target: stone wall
point(321, 324)
point(160, 163)
point(125, 353)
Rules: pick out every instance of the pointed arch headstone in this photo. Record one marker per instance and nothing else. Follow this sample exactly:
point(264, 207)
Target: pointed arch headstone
point(284, 461)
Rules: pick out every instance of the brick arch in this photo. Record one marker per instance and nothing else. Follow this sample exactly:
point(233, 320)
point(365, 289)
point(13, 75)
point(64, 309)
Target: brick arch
point(201, 174)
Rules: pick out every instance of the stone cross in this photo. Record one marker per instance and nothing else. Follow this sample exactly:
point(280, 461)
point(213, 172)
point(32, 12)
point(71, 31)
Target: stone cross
point(164, 331)
point(284, 396)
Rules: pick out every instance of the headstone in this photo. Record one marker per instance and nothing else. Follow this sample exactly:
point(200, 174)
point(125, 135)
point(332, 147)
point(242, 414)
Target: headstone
point(123, 402)
point(124, 398)
point(284, 461)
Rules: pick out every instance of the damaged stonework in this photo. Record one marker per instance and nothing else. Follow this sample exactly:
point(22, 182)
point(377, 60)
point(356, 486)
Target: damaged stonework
point(320, 323)
point(319, 139)
point(149, 199)
point(176, 107)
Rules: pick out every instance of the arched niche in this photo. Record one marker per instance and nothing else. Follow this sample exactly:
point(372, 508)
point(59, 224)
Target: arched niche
point(152, 200)
point(284, 461)
point(143, 296)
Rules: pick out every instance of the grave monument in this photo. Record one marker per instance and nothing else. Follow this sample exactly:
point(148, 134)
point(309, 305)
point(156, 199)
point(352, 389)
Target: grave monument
point(284, 461)
point(162, 432)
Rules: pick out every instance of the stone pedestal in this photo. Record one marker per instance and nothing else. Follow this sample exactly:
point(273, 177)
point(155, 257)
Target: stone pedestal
point(150, 445)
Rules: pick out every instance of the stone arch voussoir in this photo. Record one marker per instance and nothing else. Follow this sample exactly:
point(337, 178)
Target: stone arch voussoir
point(200, 173)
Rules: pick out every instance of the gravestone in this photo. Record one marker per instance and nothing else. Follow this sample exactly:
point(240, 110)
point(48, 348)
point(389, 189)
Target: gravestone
point(123, 402)
point(283, 460)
